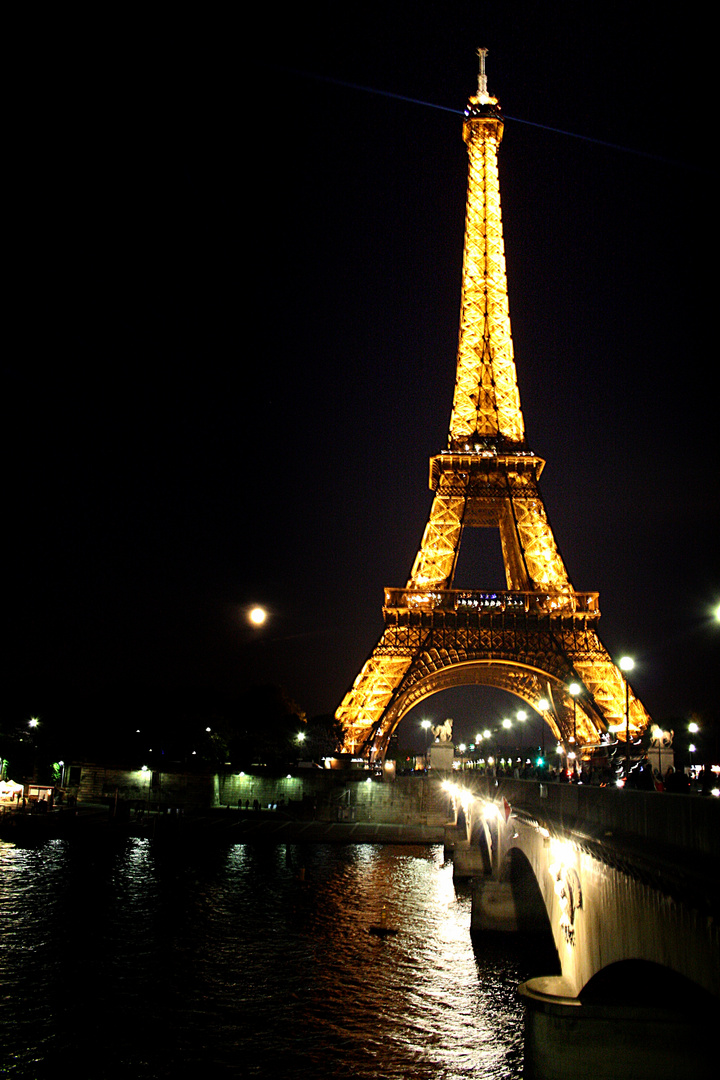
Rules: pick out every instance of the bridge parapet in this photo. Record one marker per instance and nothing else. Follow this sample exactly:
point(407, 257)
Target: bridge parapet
point(672, 841)
point(688, 821)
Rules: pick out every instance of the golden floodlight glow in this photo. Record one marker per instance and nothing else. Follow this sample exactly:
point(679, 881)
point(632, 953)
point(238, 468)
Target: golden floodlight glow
point(562, 852)
point(466, 799)
point(257, 616)
point(487, 477)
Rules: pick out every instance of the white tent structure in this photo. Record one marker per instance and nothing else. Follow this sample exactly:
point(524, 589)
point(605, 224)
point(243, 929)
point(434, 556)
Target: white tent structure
point(10, 791)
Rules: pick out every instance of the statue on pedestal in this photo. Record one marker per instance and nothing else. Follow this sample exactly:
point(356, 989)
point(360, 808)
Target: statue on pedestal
point(442, 750)
point(443, 732)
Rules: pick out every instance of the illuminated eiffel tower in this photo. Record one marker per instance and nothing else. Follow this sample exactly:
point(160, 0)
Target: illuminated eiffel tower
point(539, 636)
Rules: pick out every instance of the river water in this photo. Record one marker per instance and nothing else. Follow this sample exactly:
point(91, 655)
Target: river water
point(149, 958)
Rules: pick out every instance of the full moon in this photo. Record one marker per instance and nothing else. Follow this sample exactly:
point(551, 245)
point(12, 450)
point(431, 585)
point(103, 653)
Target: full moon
point(257, 616)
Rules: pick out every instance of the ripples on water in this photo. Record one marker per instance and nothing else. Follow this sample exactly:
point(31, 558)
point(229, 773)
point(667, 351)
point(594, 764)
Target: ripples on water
point(142, 959)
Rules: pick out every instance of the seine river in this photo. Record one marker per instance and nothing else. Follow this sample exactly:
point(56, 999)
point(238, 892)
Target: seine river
point(142, 958)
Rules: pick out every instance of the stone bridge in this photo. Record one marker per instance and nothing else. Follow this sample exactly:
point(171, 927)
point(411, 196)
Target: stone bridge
point(628, 884)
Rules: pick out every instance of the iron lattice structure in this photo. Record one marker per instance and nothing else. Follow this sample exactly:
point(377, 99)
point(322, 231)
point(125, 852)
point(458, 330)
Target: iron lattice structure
point(540, 635)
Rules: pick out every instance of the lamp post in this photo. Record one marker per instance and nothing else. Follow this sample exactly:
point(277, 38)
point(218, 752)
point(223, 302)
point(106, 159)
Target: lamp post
point(574, 689)
point(626, 663)
point(479, 756)
point(693, 728)
point(522, 717)
point(543, 705)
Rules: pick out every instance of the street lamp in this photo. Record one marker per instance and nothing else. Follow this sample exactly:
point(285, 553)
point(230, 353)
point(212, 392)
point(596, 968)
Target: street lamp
point(693, 728)
point(626, 663)
point(426, 725)
point(542, 706)
point(574, 689)
point(478, 748)
point(522, 717)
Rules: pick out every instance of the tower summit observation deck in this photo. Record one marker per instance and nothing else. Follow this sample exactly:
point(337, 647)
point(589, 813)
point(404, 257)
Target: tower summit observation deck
point(539, 635)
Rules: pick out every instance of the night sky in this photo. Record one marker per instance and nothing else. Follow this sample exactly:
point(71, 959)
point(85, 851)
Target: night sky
point(237, 307)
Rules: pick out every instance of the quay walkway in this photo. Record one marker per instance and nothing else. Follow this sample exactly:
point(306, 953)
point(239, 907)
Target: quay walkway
point(276, 829)
point(235, 826)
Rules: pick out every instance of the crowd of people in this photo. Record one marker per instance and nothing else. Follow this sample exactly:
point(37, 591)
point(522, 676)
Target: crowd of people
point(608, 773)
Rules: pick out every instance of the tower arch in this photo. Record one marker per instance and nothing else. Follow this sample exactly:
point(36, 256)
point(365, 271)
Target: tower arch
point(531, 686)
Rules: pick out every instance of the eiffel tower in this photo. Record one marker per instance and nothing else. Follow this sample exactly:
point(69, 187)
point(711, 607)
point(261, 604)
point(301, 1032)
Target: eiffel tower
point(539, 636)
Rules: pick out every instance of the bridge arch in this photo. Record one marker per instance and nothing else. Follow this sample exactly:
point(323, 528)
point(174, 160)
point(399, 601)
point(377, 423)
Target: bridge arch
point(532, 913)
point(653, 983)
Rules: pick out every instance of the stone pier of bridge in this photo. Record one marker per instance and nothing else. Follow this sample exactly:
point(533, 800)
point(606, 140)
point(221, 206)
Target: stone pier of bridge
point(628, 885)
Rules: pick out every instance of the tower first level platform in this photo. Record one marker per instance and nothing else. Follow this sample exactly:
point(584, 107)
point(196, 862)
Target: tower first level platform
point(531, 644)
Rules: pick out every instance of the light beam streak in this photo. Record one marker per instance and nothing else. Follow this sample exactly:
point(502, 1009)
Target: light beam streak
point(512, 119)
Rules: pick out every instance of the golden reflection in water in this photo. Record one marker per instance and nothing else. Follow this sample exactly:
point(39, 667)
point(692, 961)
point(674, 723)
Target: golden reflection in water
point(211, 956)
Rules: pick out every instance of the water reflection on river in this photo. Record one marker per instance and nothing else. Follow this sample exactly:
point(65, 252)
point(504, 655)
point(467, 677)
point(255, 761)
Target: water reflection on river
point(145, 958)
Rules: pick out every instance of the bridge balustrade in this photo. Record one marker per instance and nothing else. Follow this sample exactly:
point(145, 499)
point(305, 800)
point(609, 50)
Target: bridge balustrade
point(673, 820)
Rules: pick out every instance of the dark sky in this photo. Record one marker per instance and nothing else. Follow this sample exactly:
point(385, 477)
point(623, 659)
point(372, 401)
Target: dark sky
point(237, 309)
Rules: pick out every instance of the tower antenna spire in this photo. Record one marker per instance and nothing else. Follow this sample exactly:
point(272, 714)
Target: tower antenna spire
point(482, 77)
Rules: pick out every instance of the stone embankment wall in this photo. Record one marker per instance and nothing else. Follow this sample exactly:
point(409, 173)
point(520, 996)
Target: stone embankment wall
point(146, 789)
point(341, 796)
point(309, 794)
